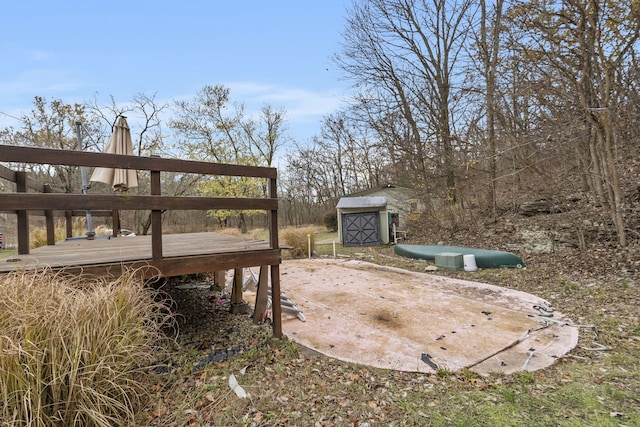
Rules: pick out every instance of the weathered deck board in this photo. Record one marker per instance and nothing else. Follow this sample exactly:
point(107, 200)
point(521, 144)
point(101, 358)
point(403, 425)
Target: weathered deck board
point(182, 253)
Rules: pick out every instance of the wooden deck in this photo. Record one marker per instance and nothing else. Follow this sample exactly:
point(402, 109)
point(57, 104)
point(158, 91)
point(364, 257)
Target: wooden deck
point(183, 254)
point(151, 256)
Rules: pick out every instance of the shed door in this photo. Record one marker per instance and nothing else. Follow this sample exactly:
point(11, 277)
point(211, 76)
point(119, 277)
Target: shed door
point(361, 229)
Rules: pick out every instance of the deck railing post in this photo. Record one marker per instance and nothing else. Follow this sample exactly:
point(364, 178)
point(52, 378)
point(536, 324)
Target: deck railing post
point(115, 221)
point(23, 215)
point(48, 218)
point(156, 219)
point(68, 216)
point(273, 215)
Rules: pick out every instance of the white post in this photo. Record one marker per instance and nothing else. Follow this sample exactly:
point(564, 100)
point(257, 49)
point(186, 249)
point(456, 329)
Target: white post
point(395, 236)
point(309, 244)
point(334, 248)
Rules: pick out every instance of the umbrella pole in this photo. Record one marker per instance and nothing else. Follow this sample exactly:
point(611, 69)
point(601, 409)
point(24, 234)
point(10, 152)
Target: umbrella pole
point(85, 185)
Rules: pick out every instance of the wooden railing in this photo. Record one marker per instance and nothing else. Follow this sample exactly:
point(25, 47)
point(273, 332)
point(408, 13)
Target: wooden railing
point(50, 204)
point(11, 176)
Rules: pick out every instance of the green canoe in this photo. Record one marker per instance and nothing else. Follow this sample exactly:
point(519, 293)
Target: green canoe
point(485, 258)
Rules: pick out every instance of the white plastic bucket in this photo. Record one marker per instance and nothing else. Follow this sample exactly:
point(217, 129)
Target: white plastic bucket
point(469, 262)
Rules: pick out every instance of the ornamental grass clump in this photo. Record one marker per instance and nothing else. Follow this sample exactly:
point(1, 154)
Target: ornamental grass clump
point(75, 351)
point(299, 239)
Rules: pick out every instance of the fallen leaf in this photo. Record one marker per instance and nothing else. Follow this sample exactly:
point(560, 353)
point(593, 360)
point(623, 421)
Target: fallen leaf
point(159, 411)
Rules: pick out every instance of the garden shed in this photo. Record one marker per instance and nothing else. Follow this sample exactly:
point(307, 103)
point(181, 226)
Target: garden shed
point(363, 221)
point(399, 203)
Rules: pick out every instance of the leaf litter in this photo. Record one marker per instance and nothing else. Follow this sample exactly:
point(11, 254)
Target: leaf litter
point(286, 384)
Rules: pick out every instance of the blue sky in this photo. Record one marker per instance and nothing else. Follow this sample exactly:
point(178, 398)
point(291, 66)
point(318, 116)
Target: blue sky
point(266, 51)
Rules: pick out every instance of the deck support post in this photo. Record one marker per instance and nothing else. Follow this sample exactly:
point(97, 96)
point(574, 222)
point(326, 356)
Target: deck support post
point(276, 303)
point(262, 295)
point(237, 304)
point(219, 278)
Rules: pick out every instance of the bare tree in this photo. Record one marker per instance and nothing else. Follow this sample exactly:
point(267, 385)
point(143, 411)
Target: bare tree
point(266, 134)
point(143, 111)
point(404, 55)
point(143, 114)
point(488, 45)
point(209, 127)
point(51, 124)
point(587, 43)
point(213, 128)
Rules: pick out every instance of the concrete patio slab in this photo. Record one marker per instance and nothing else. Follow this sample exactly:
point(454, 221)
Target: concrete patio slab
point(396, 319)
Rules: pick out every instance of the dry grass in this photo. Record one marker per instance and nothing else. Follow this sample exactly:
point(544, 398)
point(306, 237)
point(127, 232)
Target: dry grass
point(301, 240)
point(230, 231)
point(73, 351)
point(38, 235)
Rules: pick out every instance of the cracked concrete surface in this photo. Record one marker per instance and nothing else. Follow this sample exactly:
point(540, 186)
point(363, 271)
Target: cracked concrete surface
point(396, 319)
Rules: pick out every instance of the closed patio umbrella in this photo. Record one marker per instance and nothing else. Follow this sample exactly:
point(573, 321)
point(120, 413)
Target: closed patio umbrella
point(119, 143)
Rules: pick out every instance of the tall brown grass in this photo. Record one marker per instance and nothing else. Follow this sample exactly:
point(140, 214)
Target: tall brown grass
point(74, 351)
point(298, 239)
point(38, 235)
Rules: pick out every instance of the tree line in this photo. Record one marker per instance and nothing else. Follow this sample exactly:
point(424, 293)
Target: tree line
point(473, 103)
point(210, 127)
point(485, 104)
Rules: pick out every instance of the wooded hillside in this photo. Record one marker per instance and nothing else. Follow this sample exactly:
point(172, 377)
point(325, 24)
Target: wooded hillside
point(492, 107)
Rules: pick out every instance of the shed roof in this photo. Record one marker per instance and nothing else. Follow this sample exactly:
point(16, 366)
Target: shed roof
point(375, 189)
point(362, 202)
